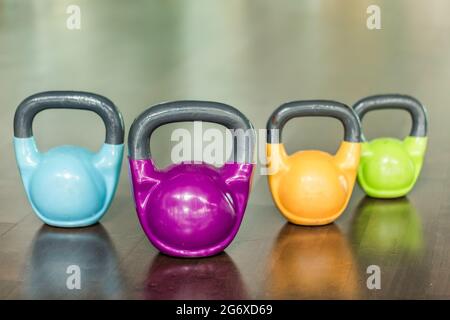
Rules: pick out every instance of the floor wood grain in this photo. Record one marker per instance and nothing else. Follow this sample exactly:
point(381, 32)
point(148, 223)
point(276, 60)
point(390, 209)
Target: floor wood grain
point(253, 55)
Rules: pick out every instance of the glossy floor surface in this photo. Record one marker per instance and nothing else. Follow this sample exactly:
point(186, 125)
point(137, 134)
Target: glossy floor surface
point(253, 55)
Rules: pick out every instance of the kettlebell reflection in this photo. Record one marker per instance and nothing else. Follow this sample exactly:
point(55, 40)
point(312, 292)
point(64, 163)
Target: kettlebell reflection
point(384, 227)
point(72, 264)
point(208, 278)
point(312, 263)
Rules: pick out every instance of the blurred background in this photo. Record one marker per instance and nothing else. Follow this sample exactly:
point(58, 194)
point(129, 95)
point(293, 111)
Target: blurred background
point(253, 55)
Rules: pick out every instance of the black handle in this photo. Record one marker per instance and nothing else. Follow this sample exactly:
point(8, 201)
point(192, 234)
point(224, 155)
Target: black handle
point(178, 111)
point(31, 106)
point(313, 108)
point(396, 101)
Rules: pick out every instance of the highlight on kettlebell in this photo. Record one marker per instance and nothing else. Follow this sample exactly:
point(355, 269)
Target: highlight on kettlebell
point(390, 167)
point(69, 186)
point(191, 209)
point(312, 187)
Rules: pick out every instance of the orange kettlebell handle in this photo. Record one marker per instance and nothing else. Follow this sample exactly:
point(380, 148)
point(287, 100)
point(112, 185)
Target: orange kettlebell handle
point(314, 108)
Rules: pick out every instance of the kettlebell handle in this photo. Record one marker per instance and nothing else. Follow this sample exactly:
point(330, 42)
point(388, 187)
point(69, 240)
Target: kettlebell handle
point(313, 108)
point(396, 101)
point(31, 106)
point(189, 110)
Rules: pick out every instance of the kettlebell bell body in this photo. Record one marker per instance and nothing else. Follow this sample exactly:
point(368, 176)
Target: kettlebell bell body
point(190, 209)
point(312, 187)
point(69, 186)
point(390, 167)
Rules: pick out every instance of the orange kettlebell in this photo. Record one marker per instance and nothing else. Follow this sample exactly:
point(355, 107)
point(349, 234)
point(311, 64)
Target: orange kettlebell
point(312, 187)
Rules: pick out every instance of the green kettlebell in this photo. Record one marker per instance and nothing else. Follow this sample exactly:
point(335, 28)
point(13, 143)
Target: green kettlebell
point(389, 167)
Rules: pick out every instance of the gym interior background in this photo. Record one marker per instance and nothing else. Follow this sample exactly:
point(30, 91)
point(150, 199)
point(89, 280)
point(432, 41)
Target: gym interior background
point(253, 55)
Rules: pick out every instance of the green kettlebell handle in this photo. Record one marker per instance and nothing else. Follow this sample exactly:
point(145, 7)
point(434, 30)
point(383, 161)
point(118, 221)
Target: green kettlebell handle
point(396, 101)
point(31, 106)
point(313, 108)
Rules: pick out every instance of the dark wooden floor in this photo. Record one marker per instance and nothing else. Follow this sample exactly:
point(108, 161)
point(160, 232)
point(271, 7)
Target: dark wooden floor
point(253, 55)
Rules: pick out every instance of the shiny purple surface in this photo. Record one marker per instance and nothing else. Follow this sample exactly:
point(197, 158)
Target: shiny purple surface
point(190, 209)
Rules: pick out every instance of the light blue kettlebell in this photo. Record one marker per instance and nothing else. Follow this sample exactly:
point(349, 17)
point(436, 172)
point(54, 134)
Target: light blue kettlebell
point(69, 186)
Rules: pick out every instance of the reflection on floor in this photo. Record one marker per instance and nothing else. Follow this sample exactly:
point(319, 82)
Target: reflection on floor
point(208, 278)
point(389, 235)
point(54, 254)
point(253, 55)
point(312, 263)
point(384, 227)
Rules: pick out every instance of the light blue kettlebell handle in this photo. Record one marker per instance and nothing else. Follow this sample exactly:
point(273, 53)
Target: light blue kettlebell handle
point(31, 106)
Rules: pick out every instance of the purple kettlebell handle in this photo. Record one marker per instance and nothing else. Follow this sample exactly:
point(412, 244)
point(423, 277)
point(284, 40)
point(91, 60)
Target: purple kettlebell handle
point(189, 110)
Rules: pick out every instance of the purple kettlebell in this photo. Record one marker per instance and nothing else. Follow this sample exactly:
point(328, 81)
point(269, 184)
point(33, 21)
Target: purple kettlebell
point(191, 209)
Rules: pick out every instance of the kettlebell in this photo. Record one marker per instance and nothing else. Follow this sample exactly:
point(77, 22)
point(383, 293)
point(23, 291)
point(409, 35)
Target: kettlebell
point(191, 209)
point(312, 187)
point(69, 186)
point(390, 167)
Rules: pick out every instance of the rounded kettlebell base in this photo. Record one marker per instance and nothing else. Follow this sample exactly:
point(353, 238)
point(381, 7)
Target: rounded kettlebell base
point(66, 190)
point(191, 215)
point(385, 194)
point(180, 252)
point(299, 221)
point(313, 191)
point(387, 170)
point(189, 209)
point(176, 253)
point(72, 224)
